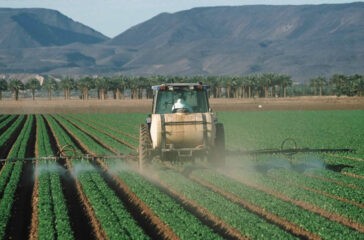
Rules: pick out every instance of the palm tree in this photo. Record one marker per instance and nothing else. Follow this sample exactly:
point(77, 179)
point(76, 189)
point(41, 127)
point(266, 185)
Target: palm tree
point(33, 84)
point(16, 85)
point(102, 85)
point(67, 84)
point(318, 83)
point(285, 81)
point(3, 87)
point(85, 84)
point(360, 85)
point(49, 84)
point(338, 80)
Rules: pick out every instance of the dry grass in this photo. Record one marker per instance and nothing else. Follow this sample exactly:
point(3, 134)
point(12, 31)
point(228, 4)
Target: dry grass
point(27, 106)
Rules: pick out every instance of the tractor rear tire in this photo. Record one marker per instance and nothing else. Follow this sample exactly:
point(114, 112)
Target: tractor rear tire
point(217, 154)
point(145, 144)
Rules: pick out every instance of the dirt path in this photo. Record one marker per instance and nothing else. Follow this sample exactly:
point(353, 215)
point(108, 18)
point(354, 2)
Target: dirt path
point(145, 105)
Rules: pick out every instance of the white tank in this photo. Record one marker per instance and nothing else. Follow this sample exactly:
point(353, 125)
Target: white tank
point(182, 130)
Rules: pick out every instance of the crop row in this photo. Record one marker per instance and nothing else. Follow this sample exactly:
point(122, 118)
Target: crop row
point(109, 141)
point(109, 210)
point(309, 220)
point(53, 219)
point(9, 132)
point(111, 128)
point(6, 121)
point(248, 223)
point(3, 116)
point(184, 224)
point(314, 129)
point(86, 139)
point(317, 184)
point(349, 181)
point(128, 123)
point(18, 151)
point(329, 204)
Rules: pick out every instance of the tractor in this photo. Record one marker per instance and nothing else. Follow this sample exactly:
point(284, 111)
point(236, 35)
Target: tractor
point(182, 126)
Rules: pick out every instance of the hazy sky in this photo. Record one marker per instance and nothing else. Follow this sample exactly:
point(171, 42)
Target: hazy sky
point(111, 17)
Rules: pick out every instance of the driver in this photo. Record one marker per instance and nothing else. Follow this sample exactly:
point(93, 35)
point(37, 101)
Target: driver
point(181, 104)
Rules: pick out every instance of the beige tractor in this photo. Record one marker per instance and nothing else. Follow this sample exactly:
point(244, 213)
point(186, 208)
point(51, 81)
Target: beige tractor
point(182, 127)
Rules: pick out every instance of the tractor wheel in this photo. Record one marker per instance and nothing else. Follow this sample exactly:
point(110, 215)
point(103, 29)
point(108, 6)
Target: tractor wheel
point(145, 144)
point(217, 154)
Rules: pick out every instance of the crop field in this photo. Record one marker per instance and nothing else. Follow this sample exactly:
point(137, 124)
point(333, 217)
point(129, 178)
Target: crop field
point(304, 196)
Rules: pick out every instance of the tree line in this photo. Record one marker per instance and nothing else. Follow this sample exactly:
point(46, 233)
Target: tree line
point(242, 86)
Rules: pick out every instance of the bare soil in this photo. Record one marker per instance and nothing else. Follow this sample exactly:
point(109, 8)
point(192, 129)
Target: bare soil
point(27, 106)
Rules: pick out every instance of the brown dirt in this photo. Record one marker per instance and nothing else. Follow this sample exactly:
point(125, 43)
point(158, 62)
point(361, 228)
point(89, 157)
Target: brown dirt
point(103, 132)
point(334, 181)
point(352, 175)
point(281, 222)
point(205, 216)
point(8, 146)
point(159, 227)
point(307, 206)
point(34, 220)
point(319, 192)
point(139, 207)
point(113, 129)
point(145, 105)
point(96, 225)
point(347, 157)
point(98, 230)
point(83, 146)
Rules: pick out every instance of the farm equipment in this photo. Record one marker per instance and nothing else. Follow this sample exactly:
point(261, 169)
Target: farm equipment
point(182, 126)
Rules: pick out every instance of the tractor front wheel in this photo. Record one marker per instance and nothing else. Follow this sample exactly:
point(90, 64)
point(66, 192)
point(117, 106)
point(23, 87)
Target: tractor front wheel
point(217, 154)
point(145, 144)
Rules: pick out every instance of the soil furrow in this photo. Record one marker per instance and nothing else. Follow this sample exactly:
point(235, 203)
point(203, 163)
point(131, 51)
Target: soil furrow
point(21, 212)
point(270, 217)
point(347, 157)
point(352, 175)
point(114, 129)
point(82, 217)
point(318, 192)
point(83, 146)
point(307, 206)
point(34, 221)
point(201, 213)
point(150, 222)
point(333, 181)
point(6, 148)
point(103, 132)
point(3, 129)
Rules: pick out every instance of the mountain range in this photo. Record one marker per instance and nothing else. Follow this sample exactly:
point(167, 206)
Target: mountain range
point(302, 41)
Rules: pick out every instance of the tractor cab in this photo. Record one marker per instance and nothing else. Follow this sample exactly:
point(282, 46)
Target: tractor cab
point(180, 98)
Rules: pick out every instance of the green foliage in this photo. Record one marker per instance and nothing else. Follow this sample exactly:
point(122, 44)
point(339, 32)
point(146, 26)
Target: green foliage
point(18, 151)
point(185, 225)
point(306, 219)
point(248, 223)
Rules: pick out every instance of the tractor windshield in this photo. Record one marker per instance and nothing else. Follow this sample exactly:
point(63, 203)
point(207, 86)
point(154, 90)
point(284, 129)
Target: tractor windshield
point(181, 100)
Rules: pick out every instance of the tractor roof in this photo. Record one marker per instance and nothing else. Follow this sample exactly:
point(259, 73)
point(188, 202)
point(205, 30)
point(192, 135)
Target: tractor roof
point(191, 85)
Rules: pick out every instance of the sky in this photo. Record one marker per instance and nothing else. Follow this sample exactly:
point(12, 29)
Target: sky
point(112, 17)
